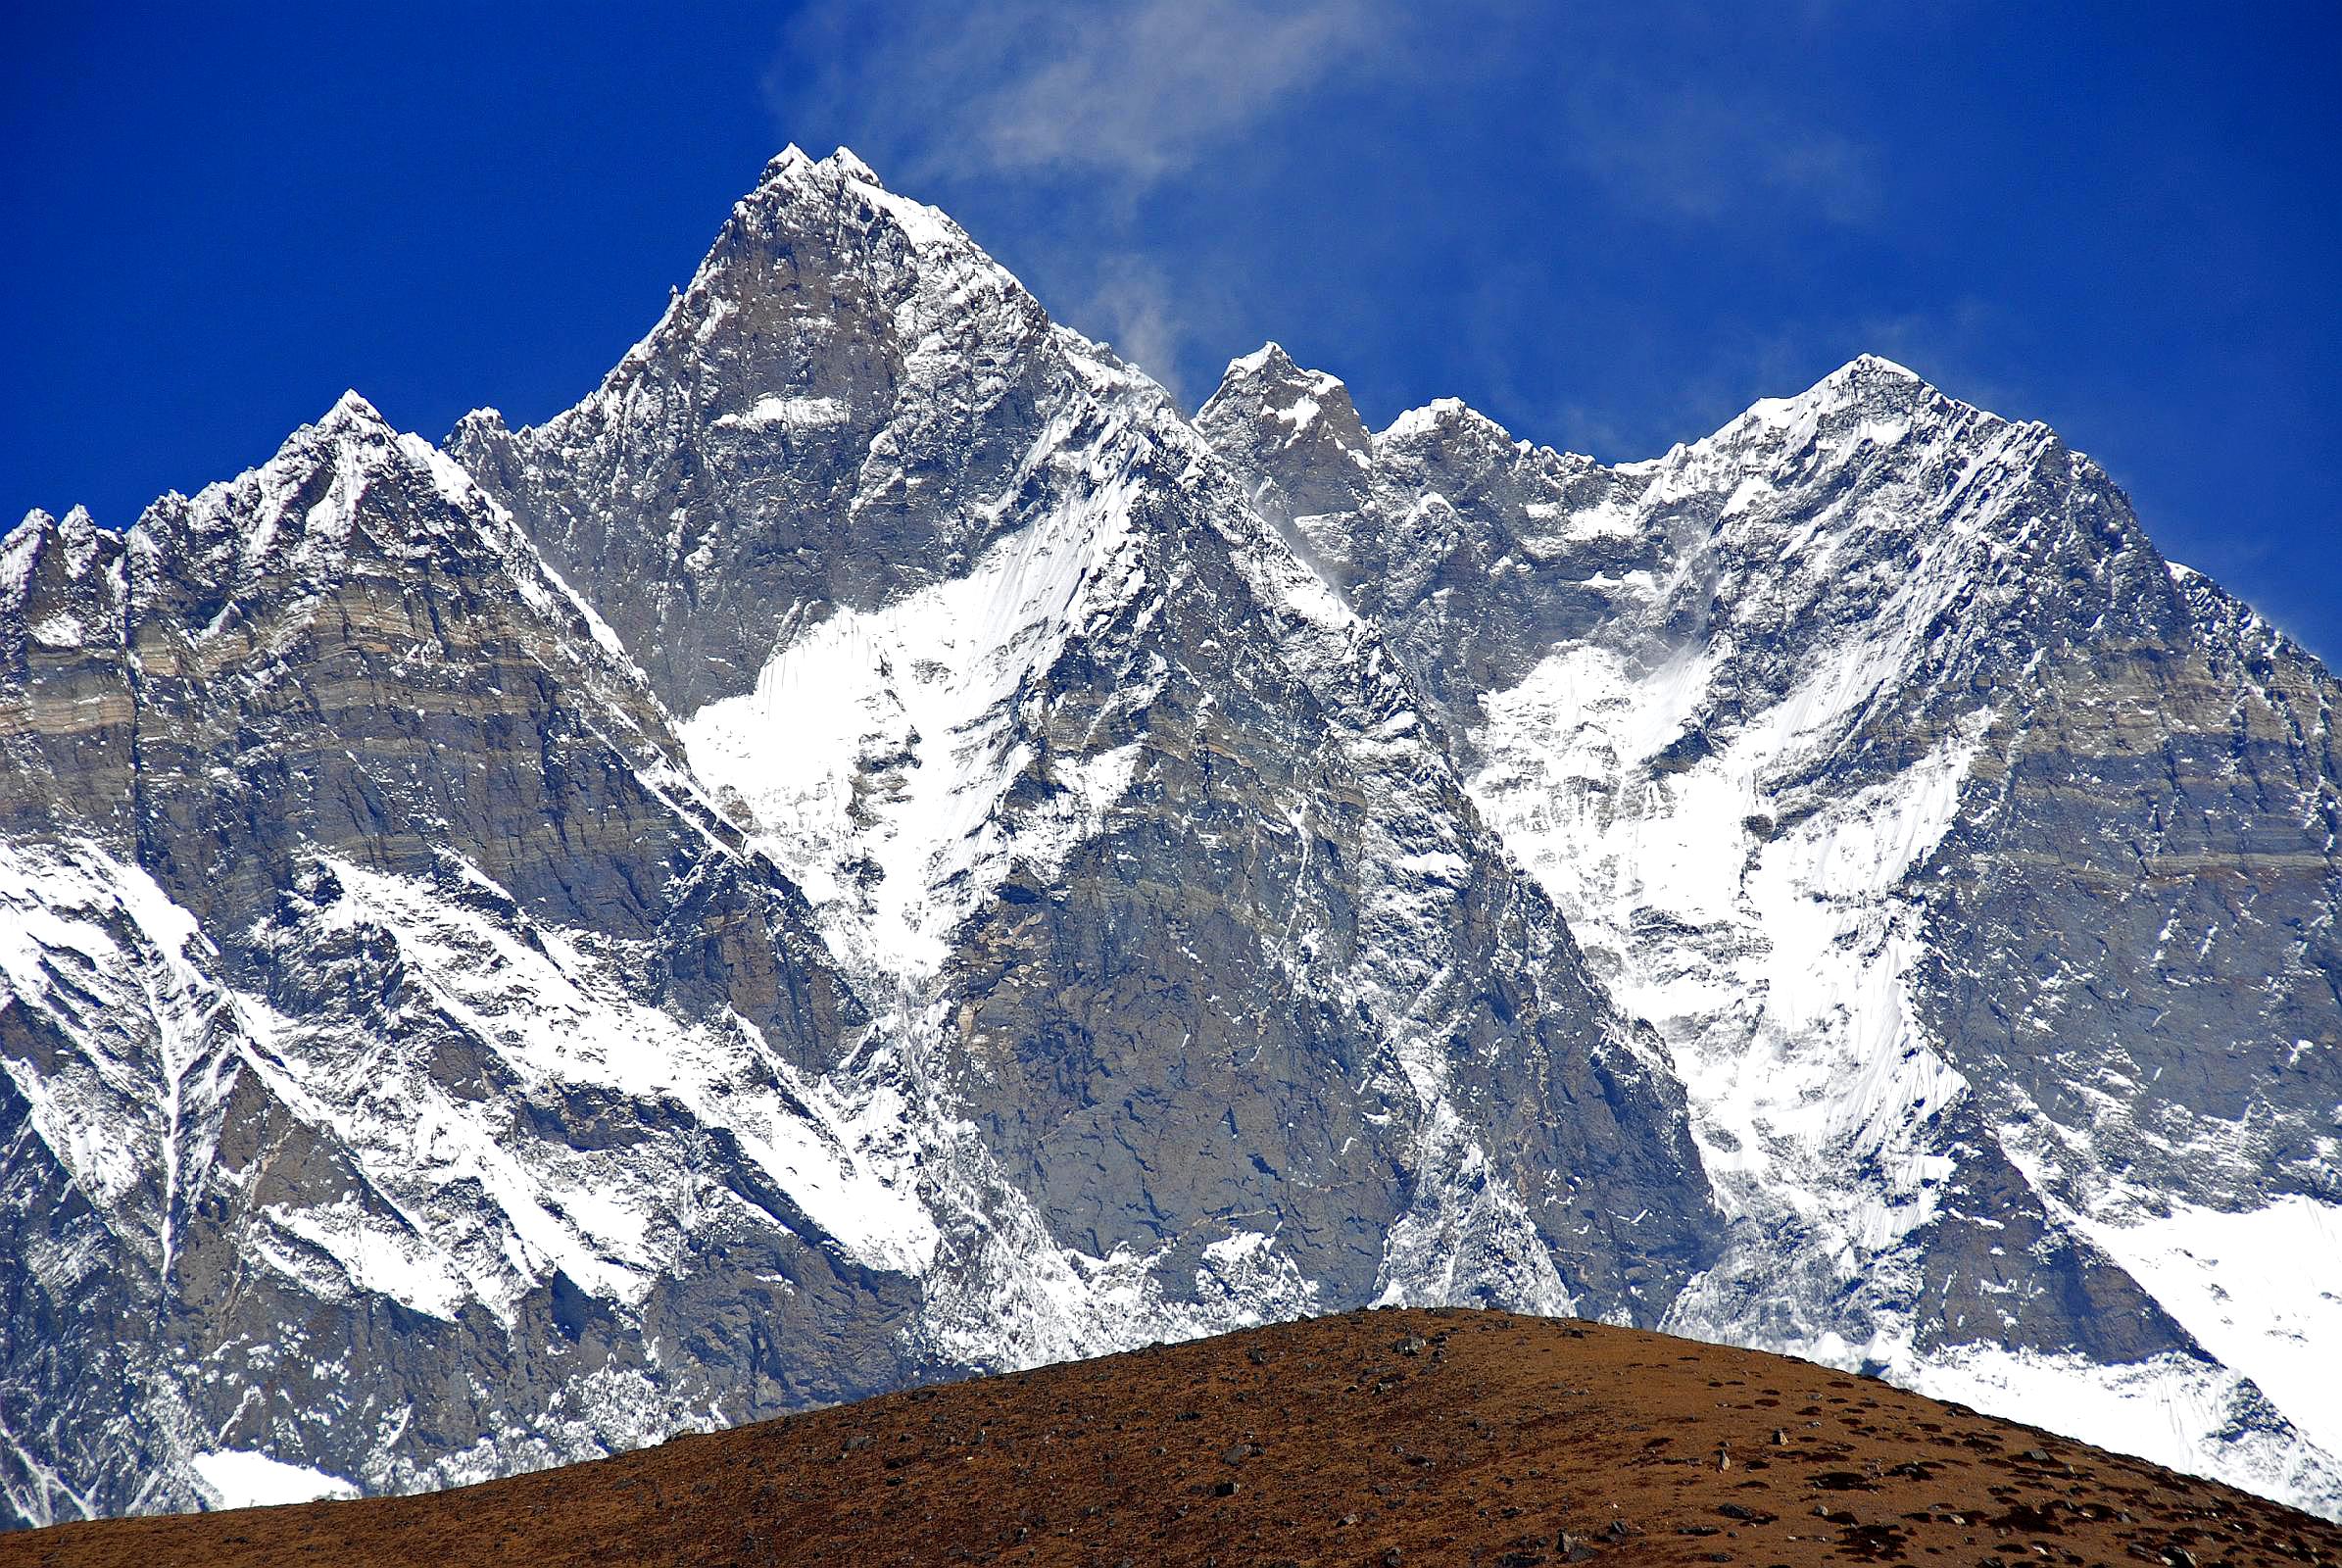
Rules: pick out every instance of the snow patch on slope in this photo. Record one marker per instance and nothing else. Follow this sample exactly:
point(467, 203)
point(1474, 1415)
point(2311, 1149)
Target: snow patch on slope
point(1777, 963)
point(554, 1008)
point(800, 412)
point(2178, 1411)
point(239, 1478)
point(2261, 1290)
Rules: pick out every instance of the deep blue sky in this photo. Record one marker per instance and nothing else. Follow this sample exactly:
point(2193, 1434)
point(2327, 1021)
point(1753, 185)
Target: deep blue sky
point(1610, 234)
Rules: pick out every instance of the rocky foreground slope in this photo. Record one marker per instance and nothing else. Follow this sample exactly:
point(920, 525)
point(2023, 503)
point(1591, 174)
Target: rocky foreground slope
point(874, 847)
point(1378, 1438)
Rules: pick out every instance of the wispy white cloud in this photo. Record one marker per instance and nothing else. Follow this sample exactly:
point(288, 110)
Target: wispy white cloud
point(1131, 91)
point(1133, 307)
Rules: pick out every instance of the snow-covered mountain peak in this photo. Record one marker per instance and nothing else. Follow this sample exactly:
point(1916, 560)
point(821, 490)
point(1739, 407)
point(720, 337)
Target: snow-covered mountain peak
point(797, 188)
point(1875, 367)
point(1446, 422)
point(301, 508)
point(77, 529)
point(1268, 371)
point(1867, 400)
point(1270, 358)
point(18, 544)
point(788, 161)
point(50, 566)
point(835, 412)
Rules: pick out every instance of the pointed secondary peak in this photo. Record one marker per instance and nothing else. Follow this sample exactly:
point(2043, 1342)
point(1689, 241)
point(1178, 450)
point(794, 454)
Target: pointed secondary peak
point(1270, 358)
point(1294, 425)
point(1868, 375)
point(1868, 379)
point(788, 159)
point(797, 191)
point(478, 427)
point(1867, 382)
point(1442, 417)
point(843, 160)
point(1267, 377)
point(1269, 363)
point(1878, 364)
point(79, 544)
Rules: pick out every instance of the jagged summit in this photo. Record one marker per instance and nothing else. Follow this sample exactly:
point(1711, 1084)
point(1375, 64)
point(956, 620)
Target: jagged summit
point(75, 524)
point(76, 516)
point(1870, 399)
point(794, 160)
point(843, 361)
point(1269, 411)
point(798, 190)
point(1270, 360)
point(38, 523)
point(351, 413)
point(1445, 417)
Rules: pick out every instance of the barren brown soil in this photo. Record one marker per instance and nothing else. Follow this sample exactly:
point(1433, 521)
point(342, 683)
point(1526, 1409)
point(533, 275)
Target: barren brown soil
point(1379, 1437)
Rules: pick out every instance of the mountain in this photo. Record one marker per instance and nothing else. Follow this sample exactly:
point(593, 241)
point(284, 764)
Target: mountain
point(1394, 1436)
point(1976, 866)
point(873, 849)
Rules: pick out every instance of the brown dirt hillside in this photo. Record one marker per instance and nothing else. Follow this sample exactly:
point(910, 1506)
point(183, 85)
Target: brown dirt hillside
point(1379, 1437)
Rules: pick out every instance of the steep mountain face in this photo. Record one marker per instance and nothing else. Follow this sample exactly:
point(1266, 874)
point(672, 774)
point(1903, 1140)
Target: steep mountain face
point(405, 1064)
point(872, 849)
point(1978, 869)
point(1173, 893)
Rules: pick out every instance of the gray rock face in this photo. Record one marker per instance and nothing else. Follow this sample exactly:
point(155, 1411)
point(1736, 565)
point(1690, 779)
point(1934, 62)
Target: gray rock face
point(872, 849)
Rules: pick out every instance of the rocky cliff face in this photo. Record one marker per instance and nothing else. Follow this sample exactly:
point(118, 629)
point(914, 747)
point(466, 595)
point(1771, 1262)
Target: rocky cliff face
point(872, 848)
